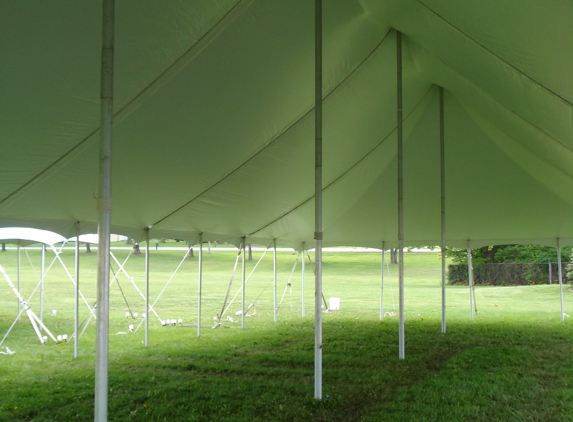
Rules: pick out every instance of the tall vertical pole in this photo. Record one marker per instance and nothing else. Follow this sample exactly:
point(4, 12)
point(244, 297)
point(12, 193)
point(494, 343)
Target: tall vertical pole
point(401, 348)
point(146, 340)
point(471, 281)
point(42, 283)
point(382, 282)
point(443, 206)
point(199, 284)
point(18, 259)
point(302, 278)
point(560, 280)
point(318, 202)
point(275, 279)
point(243, 282)
point(77, 293)
point(104, 206)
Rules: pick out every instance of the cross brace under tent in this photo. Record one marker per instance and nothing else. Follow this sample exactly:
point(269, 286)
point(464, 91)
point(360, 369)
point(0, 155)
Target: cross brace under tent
point(34, 320)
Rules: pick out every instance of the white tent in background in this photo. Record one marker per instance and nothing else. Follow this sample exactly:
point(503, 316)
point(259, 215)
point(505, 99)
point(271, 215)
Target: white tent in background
point(22, 236)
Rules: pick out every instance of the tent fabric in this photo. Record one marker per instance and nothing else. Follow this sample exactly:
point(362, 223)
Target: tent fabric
point(27, 236)
point(214, 122)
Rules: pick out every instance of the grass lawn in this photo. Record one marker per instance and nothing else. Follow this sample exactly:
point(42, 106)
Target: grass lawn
point(514, 362)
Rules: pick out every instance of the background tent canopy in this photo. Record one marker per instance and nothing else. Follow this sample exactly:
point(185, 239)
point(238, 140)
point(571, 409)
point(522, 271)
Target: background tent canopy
point(214, 119)
point(26, 236)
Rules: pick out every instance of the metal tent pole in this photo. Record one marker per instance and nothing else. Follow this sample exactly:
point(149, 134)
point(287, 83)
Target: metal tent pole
point(243, 281)
point(560, 280)
point(77, 292)
point(146, 340)
point(302, 278)
point(471, 280)
point(443, 206)
point(18, 259)
point(401, 348)
point(275, 279)
point(318, 203)
point(199, 284)
point(382, 282)
point(104, 206)
point(42, 282)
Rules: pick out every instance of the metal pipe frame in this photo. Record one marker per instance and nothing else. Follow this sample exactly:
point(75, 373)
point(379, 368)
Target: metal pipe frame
point(401, 340)
point(146, 340)
point(77, 293)
point(318, 202)
point(104, 206)
point(199, 284)
point(443, 206)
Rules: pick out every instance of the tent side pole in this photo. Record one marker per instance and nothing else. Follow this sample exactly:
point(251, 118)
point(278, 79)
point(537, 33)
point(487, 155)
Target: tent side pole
point(146, 340)
point(318, 202)
point(401, 348)
point(471, 281)
point(77, 293)
point(243, 282)
point(382, 282)
point(275, 279)
point(42, 282)
point(199, 284)
point(560, 280)
point(18, 281)
point(302, 279)
point(443, 206)
point(104, 205)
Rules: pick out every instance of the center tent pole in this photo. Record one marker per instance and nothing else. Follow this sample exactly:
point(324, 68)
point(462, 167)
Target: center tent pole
point(443, 206)
point(382, 282)
point(77, 292)
point(401, 348)
point(560, 280)
point(275, 279)
point(318, 202)
point(146, 341)
point(199, 284)
point(243, 281)
point(104, 206)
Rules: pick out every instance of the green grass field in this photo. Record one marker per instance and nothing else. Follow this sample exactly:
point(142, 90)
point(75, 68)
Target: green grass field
point(514, 362)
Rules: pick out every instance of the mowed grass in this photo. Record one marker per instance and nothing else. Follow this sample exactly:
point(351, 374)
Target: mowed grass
point(514, 362)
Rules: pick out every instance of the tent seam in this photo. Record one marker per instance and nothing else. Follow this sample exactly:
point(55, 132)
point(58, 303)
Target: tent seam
point(349, 169)
point(132, 104)
point(496, 55)
point(279, 135)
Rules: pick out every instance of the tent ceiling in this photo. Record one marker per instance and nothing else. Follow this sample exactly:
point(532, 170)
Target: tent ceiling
point(214, 119)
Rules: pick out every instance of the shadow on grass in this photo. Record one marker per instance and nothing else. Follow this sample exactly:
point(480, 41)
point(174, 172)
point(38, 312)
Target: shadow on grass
point(478, 371)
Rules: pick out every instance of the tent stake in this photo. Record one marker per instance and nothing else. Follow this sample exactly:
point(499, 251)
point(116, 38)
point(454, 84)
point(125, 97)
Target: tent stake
point(104, 205)
point(318, 201)
point(401, 348)
point(77, 292)
point(560, 280)
point(443, 206)
point(200, 284)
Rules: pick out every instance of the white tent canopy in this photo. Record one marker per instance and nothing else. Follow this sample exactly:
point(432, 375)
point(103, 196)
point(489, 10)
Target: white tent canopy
point(27, 235)
point(213, 126)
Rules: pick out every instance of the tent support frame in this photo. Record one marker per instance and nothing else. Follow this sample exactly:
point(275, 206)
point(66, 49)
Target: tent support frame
point(401, 347)
point(318, 202)
point(443, 206)
point(104, 205)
